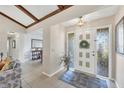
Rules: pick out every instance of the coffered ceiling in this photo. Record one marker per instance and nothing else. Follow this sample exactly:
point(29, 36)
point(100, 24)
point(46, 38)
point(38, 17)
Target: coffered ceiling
point(29, 15)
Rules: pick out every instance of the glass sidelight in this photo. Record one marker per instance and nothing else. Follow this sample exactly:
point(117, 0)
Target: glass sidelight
point(102, 46)
point(71, 50)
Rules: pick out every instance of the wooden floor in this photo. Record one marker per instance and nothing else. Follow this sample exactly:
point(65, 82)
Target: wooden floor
point(32, 77)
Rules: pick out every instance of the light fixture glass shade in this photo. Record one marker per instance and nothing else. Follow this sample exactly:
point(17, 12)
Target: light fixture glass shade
point(81, 22)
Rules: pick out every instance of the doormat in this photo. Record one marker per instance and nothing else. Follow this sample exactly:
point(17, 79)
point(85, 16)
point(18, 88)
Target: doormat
point(81, 80)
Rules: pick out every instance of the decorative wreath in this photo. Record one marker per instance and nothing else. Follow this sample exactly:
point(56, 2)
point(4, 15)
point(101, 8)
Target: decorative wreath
point(84, 44)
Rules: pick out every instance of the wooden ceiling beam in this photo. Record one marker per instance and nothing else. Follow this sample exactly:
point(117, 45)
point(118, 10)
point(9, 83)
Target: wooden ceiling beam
point(33, 17)
point(61, 7)
point(50, 15)
point(12, 20)
point(67, 6)
point(26, 12)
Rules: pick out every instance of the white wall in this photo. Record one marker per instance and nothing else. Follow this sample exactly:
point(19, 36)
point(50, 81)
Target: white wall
point(55, 39)
point(46, 49)
point(119, 58)
point(7, 26)
point(57, 46)
point(3, 42)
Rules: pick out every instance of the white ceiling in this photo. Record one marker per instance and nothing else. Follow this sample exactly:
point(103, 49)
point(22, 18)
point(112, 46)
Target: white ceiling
point(104, 12)
point(40, 11)
point(16, 14)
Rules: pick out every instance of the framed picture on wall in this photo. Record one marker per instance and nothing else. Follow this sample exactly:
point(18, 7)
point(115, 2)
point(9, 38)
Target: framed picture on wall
point(120, 36)
point(36, 43)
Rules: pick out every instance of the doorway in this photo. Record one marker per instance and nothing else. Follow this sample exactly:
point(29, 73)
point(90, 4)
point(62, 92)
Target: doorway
point(11, 47)
point(95, 59)
point(70, 49)
point(8, 47)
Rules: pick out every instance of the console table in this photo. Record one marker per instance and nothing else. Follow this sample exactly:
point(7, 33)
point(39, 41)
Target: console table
point(36, 54)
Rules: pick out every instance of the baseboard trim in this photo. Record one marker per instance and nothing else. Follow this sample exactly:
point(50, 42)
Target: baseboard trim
point(50, 75)
point(116, 84)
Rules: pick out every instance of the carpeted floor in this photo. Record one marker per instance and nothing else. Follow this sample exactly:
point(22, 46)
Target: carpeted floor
point(81, 80)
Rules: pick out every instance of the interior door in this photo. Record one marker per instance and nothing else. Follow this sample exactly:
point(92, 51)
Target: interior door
point(85, 57)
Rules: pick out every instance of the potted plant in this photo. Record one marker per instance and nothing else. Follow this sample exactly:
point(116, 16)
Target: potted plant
point(66, 60)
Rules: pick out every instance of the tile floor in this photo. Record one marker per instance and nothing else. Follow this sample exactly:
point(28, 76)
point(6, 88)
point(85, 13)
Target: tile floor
point(32, 77)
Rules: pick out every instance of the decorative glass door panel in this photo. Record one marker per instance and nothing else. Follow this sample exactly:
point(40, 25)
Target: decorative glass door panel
point(102, 48)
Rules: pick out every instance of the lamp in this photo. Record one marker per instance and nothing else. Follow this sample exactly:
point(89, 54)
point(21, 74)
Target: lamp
point(81, 22)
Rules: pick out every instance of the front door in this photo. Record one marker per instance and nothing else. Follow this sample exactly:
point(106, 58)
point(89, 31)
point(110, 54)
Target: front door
point(85, 52)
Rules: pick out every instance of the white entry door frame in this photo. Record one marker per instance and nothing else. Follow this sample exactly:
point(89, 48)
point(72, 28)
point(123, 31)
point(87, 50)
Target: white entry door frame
point(76, 46)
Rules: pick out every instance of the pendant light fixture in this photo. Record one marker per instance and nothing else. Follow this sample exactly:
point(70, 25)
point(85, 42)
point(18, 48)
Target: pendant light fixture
point(81, 22)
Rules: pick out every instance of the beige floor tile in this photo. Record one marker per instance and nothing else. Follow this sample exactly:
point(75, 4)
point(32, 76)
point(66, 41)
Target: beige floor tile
point(25, 84)
point(32, 77)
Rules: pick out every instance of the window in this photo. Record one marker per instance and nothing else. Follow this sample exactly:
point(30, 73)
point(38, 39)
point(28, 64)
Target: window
point(120, 36)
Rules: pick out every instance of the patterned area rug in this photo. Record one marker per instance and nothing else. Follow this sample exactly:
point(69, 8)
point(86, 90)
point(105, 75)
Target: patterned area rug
point(81, 80)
